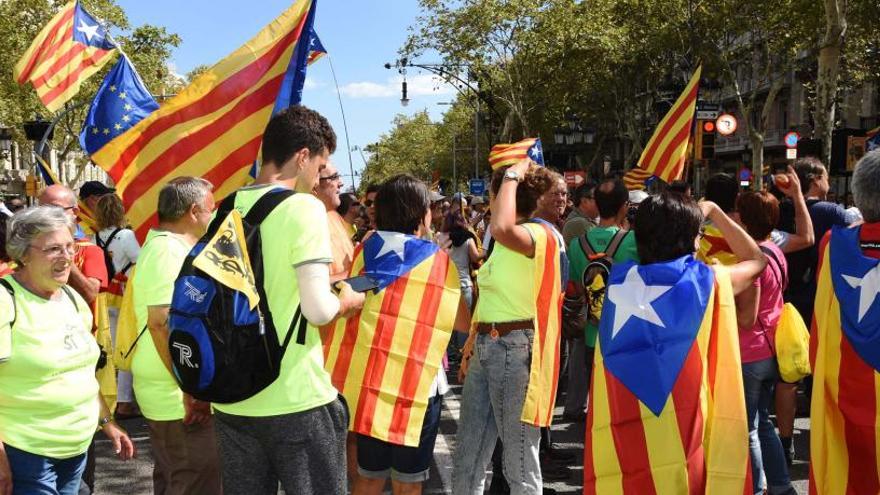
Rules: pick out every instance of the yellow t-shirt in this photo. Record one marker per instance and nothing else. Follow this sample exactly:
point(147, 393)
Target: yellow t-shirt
point(506, 283)
point(48, 391)
point(159, 262)
point(294, 233)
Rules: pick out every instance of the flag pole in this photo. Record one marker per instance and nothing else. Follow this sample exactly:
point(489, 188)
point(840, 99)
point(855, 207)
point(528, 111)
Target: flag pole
point(344, 124)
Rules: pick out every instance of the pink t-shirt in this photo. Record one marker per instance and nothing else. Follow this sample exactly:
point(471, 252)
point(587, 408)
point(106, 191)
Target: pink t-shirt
point(756, 343)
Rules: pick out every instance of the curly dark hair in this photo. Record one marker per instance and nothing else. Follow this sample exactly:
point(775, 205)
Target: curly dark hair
point(293, 129)
point(537, 181)
point(667, 225)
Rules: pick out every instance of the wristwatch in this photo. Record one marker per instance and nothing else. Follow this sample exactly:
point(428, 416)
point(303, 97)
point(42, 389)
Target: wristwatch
point(511, 175)
point(103, 421)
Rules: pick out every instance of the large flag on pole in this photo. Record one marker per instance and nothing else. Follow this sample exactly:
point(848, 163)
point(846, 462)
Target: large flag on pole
point(666, 414)
point(845, 357)
point(68, 50)
point(665, 153)
point(384, 358)
point(213, 128)
point(316, 48)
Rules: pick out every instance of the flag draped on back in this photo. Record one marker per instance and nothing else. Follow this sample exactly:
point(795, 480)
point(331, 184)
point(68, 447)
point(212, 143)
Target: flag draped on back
point(714, 246)
point(635, 178)
point(385, 358)
point(68, 50)
point(665, 153)
point(845, 357)
point(84, 216)
point(503, 155)
point(213, 128)
point(667, 413)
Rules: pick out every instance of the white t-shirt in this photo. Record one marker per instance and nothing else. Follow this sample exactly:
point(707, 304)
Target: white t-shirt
point(123, 248)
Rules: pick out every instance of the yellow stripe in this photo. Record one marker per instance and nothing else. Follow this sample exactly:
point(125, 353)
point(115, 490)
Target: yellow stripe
point(608, 476)
point(228, 67)
point(40, 39)
point(43, 69)
point(339, 330)
point(665, 451)
point(667, 137)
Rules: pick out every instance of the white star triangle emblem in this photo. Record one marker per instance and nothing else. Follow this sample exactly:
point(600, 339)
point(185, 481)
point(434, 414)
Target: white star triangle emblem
point(392, 242)
point(633, 298)
point(89, 31)
point(868, 286)
point(535, 151)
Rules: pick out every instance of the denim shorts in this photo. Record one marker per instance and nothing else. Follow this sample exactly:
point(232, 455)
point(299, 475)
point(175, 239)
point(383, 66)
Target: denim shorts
point(380, 460)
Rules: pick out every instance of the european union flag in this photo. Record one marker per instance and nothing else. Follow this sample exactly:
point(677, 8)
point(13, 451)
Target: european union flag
point(121, 102)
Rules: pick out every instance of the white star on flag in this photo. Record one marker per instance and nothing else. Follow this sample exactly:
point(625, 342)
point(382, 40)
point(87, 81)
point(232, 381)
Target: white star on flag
point(868, 286)
point(535, 151)
point(633, 298)
point(392, 242)
point(89, 31)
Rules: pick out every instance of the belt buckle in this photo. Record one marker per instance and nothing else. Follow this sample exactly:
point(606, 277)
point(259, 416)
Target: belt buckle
point(494, 332)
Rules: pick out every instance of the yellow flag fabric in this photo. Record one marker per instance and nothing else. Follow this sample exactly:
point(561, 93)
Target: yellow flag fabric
point(107, 375)
point(225, 258)
point(126, 327)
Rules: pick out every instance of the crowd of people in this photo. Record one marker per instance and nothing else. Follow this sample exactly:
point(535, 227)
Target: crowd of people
point(588, 288)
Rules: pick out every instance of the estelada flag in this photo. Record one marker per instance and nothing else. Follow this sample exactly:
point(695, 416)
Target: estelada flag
point(635, 178)
point(845, 356)
point(385, 358)
point(503, 155)
point(225, 258)
point(667, 413)
point(68, 50)
point(713, 246)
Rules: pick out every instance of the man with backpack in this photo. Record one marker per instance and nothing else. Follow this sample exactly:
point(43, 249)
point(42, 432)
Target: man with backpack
point(293, 430)
point(181, 428)
point(592, 255)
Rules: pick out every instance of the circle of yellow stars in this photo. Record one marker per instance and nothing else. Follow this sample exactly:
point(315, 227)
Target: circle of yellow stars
point(118, 126)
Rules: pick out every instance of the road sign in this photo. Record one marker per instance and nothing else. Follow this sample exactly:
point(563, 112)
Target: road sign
point(791, 139)
point(478, 187)
point(707, 114)
point(791, 154)
point(726, 124)
point(575, 178)
point(745, 174)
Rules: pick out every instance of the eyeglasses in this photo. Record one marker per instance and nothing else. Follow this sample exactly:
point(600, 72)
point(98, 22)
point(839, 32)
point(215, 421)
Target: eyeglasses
point(57, 250)
point(333, 177)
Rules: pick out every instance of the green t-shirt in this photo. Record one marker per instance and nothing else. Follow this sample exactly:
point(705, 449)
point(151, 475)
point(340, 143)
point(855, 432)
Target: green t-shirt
point(159, 262)
point(295, 233)
point(48, 391)
point(599, 238)
point(507, 284)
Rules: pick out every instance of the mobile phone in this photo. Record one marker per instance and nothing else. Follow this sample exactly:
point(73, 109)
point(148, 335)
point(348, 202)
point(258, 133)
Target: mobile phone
point(362, 283)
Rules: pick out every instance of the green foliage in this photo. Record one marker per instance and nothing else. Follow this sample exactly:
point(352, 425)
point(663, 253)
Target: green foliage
point(411, 147)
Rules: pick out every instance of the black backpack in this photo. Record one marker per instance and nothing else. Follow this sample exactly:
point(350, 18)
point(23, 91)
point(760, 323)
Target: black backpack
point(595, 277)
point(221, 350)
point(108, 259)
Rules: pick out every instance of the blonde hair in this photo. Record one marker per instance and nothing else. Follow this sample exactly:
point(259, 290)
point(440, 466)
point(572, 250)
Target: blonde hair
point(110, 212)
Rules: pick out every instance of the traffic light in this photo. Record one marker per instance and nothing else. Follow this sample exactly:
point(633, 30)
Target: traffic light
point(706, 132)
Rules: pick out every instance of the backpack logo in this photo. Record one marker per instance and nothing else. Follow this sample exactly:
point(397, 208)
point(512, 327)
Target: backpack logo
point(193, 293)
point(185, 352)
point(595, 278)
point(225, 258)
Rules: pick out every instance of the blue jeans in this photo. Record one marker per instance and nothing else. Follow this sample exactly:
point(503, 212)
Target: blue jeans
point(491, 406)
point(39, 475)
point(768, 459)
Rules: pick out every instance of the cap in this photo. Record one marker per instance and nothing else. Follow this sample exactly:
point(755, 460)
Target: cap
point(637, 197)
point(435, 196)
point(93, 188)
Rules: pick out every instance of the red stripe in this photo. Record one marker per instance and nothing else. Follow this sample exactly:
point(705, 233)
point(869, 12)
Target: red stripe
point(712, 351)
point(73, 76)
point(549, 283)
point(589, 463)
point(421, 343)
point(230, 89)
point(630, 442)
point(689, 414)
point(660, 133)
point(59, 63)
point(664, 163)
point(374, 372)
point(45, 47)
point(345, 349)
point(858, 406)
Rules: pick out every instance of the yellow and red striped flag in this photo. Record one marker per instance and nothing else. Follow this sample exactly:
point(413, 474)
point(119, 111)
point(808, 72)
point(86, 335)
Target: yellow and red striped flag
point(666, 151)
point(713, 246)
point(503, 155)
point(385, 358)
point(68, 50)
point(213, 128)
point(845, 357)
point(667, 417)
point(635, 178)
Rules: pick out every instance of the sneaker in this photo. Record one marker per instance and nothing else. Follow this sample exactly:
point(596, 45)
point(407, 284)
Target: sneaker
point(788, 449)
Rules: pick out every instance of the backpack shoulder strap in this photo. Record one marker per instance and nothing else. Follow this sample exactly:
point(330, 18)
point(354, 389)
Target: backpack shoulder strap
point(6, 285)
point(586, 246)
point(105, 244)
point(261, 209)
point(771, 255)
point(225, 207)
point(70, 295)
point(615, 243)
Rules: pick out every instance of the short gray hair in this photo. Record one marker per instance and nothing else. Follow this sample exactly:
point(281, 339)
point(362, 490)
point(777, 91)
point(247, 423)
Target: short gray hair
point(178, 196)
point(30, 223)
point(866, 186)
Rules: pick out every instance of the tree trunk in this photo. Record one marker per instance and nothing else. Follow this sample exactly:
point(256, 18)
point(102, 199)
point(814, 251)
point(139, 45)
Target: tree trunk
point(829, 69)
point(757, 141)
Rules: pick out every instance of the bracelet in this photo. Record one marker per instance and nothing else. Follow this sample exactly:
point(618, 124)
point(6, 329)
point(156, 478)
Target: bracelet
point(104, 421)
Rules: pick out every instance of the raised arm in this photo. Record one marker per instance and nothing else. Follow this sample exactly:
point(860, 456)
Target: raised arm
point(752, 260)
point(803, 236)
point(504, 227)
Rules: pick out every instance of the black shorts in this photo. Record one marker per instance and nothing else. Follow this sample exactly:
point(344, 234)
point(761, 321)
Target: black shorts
point(379, 459)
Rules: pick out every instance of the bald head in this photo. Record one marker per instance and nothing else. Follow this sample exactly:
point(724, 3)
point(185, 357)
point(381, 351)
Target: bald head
point(60, 196)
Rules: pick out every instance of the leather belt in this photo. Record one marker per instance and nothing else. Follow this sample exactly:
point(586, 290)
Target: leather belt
point(503, 328)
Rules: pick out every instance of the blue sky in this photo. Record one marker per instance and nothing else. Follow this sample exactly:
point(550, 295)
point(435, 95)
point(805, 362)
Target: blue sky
point(360, 35)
